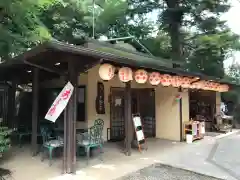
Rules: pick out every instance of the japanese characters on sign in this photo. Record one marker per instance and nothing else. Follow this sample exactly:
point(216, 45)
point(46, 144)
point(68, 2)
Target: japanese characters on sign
point(60, 103)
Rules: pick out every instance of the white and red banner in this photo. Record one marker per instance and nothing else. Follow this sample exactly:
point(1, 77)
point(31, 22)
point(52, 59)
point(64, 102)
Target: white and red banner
point(60, 103)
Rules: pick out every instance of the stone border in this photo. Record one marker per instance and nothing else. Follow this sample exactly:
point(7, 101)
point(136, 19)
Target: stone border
point(171, 166)
point(234, 131)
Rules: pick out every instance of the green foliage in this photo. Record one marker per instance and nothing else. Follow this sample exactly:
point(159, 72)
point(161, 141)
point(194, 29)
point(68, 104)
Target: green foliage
point(4, 139)
point(20, 26)
point(188, 31)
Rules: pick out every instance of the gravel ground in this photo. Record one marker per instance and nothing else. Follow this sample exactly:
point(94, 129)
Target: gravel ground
point(164, 172)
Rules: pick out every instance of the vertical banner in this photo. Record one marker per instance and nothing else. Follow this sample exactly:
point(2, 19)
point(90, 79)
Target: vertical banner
point(60, 103)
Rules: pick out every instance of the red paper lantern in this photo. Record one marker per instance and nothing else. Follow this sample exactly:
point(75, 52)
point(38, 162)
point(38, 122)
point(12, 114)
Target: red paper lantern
point(198, 85)
point(125, 74)
point(193, 86)
point(206, 85)
point(216, 86)
point(186, 82)
point(141, 76)
point(176, 81)
point(106, 72)
point(223, 88)
point(154, 78)
point(166, 79)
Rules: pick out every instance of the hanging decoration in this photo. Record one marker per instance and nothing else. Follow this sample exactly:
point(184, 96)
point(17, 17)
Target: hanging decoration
point(106, 72)
point(125, 74)
point(206, 85)
point(223, 88)
point(186, 82)
point(176, 81)
point(178, 97)
point(154, 78)
point(141, 76)
point(166, 79)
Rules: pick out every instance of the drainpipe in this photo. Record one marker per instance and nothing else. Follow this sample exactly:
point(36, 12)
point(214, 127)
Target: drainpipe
point(180, 116)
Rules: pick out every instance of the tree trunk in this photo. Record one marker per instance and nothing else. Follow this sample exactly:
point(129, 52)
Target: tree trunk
point(175, 19)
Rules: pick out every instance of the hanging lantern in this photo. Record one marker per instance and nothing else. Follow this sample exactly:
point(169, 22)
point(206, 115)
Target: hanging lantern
point(125, 74)
point(214, 86)
point(186, 82)
point(166, 79)
point(211, 86)
point(198, 85)
point(141, 76)
point(193, 86)
point(223, 88)
point(207, 85)
point(154, 78)
point(176, 81)
point(106, 72)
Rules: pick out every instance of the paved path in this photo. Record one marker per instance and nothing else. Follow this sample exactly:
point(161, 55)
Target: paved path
point(226, 155)
point(219, 158)
point(214, 157)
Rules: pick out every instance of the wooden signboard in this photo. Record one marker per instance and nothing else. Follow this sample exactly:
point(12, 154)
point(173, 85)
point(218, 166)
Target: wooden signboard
point(137, 124)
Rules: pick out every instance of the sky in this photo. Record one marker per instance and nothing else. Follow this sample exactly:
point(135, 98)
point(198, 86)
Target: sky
point(232, 21)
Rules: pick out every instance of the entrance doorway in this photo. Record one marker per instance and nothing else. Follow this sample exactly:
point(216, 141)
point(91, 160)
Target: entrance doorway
point(143, 102)
point(202, 107)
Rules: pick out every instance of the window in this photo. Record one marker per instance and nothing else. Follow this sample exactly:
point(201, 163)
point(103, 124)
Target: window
point(81, 103)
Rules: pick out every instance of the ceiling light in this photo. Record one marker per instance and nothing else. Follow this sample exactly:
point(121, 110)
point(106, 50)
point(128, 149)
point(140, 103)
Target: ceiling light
point(57, 64)
point(29, 71)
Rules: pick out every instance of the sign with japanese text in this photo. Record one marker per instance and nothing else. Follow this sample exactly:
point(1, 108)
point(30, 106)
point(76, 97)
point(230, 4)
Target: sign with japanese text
point(60, 103)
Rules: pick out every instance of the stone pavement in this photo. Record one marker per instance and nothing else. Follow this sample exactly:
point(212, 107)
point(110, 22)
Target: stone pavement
point(163, 172)
point(204, 157)
point(225, 155)
point(211, 156)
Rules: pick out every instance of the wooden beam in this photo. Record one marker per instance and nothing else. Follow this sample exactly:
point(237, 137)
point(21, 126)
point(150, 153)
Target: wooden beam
point(11, 105)
point(128, 118)
point(35, 103)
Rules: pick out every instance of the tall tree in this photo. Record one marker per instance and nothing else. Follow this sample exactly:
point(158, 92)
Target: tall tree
point(20, 26)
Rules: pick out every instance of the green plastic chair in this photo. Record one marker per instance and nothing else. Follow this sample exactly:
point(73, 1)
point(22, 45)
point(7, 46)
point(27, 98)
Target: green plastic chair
point(49, 143)
point(92, 138)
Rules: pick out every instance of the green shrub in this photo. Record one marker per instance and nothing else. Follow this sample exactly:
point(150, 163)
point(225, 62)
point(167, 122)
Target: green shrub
point(4, 139)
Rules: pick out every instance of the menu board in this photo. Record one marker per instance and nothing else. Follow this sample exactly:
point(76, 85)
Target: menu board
point(138, 130)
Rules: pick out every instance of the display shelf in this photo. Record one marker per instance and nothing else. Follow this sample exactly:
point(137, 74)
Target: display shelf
point(194, 128)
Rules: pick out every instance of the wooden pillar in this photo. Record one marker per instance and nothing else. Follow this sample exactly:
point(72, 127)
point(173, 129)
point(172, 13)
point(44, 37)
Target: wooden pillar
point(70, 124)
point(35, 103)
point(180, 116)
point(128, 118)
point(11, 105)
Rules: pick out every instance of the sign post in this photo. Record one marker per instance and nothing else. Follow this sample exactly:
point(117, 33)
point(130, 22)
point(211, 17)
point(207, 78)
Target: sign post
point(60, 103)
point(139, 131)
